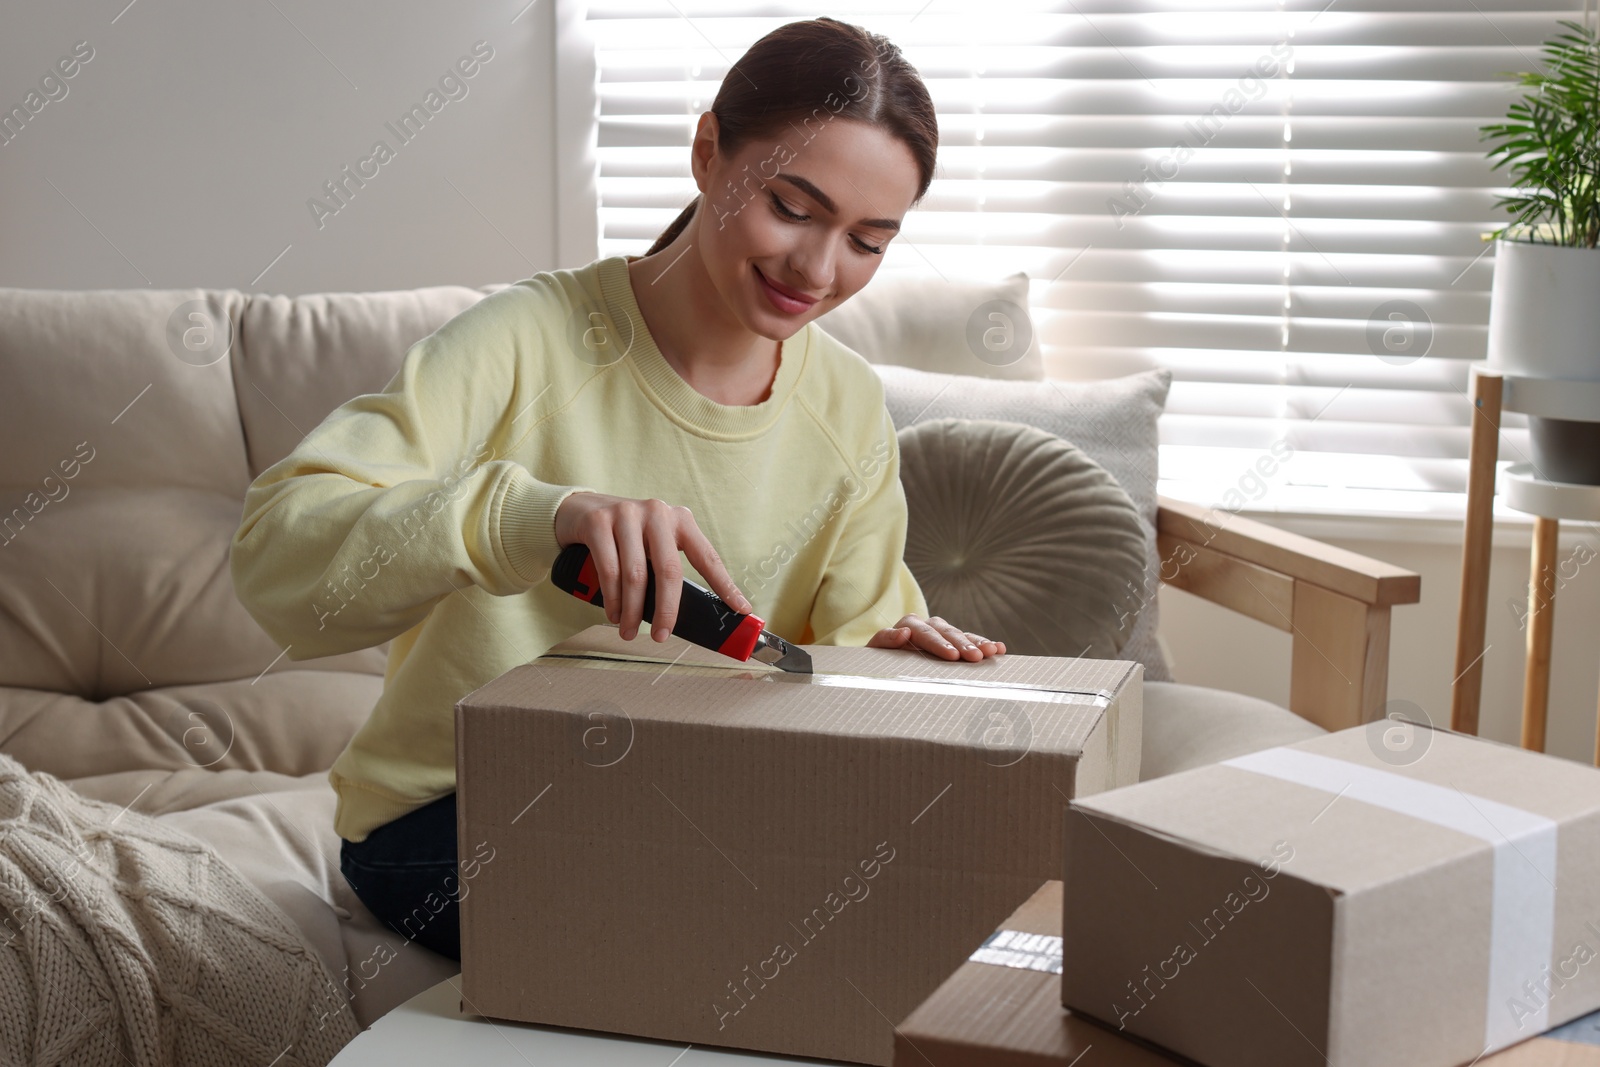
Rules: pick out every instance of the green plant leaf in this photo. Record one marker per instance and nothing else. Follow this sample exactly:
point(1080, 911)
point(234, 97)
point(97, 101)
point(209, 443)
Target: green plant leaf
point(1550, 142)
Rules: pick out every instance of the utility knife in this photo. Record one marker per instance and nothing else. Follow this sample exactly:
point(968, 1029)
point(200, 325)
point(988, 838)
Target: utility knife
point(703, 617)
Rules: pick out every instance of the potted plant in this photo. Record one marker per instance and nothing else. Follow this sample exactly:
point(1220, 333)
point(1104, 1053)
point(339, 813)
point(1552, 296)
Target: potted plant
point(1544, 306)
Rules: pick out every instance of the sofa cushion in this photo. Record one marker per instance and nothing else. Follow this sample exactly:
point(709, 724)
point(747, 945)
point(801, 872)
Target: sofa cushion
point(301, 357)
point(290, 720)
point(1019, 536)
point(954, 326)
point(1189, 726)
point(112, 371)
point(1113, 421)
point(139, 419)
point(161, 792)
point(118, 590)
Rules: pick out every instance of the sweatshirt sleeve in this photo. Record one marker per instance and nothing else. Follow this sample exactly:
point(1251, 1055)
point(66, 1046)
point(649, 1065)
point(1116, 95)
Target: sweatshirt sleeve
point(400, 498)
point(867, 586)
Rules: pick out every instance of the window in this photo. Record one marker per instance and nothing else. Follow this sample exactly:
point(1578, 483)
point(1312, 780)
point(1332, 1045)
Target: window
point(1282, 202)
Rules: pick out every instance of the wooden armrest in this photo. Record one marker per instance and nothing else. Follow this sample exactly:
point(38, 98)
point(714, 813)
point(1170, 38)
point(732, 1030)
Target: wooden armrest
point(1368, 580)
point(1335, 602)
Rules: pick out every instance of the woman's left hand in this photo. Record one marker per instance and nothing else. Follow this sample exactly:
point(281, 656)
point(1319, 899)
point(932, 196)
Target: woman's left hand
point(938, 637)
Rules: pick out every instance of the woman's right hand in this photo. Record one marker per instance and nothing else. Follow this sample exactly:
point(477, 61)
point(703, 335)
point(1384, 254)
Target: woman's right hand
point(624, 536)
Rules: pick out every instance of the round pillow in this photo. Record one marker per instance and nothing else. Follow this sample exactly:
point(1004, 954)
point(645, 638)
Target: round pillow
point(1017, 535)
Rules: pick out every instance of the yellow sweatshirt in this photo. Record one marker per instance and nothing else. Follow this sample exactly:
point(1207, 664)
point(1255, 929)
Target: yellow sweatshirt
point(425, 514)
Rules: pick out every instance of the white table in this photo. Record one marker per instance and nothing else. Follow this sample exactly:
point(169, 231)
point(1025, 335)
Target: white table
point(430, 1028)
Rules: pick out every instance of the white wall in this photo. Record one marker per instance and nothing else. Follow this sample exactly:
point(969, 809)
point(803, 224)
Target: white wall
point(1215, 647)
point(184, 152)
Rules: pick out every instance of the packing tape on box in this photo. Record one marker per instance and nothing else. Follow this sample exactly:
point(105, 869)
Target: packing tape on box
point(899, 683)
point(1018, 948)
point(1522, 910)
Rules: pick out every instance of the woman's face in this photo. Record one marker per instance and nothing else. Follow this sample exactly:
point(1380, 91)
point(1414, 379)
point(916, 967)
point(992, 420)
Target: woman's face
point(793, 227)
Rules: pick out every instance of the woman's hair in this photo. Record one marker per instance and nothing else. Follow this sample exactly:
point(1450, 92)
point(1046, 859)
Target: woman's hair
point(803, 71)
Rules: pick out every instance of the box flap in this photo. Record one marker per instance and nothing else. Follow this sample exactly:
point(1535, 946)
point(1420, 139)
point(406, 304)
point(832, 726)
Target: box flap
point(1229, 811)
point(1012, 705)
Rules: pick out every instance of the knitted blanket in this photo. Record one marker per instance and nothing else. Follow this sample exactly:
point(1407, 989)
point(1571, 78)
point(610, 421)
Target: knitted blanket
point(125, 942)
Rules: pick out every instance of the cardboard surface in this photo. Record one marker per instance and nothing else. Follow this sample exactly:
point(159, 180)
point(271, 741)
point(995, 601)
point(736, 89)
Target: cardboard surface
point(1263, 920)
point(995, 1016)
point(987, 1015)
point(698, 850)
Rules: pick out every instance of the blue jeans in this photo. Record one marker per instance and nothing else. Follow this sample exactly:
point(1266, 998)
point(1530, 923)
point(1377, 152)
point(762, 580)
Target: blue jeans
point(405, 871)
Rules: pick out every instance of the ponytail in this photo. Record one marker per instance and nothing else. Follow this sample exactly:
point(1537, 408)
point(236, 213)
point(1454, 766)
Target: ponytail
point(670, 234)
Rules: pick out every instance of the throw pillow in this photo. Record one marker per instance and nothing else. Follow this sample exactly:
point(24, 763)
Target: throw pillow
point(1113, 421)
point(1019, 536)
point(979, 328)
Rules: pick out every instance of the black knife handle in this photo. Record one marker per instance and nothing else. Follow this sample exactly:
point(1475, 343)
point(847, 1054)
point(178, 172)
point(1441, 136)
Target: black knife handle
point(703, 617)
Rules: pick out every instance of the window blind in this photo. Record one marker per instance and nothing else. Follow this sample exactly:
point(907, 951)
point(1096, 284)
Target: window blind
point(1282, 202)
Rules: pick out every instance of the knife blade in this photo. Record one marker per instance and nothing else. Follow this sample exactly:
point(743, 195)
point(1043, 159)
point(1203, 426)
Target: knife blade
point(703, 617)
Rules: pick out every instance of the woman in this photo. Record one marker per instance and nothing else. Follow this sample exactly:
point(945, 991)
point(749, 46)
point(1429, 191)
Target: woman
point(644, 406)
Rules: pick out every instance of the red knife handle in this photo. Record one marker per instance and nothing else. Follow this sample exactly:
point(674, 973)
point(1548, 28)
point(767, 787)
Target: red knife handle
point(703, 617)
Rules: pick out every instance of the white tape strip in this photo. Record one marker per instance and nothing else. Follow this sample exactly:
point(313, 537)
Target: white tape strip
point(1016, 948)
point(1026, 692)
point(906, 683)
point(1522, 916)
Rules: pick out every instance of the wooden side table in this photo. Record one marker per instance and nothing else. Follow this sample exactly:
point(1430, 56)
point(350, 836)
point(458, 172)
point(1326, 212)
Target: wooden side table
point(1549, 502)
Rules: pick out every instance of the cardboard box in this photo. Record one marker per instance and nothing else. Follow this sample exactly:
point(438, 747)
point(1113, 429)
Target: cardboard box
point(1002, 1009)
point(688, 848)
point(1346, 899)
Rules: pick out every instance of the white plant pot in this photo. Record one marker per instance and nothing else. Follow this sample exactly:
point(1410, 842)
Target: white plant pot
point(1544, 322)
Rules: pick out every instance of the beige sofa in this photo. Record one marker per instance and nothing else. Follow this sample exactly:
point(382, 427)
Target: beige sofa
point(134, 422)
point(127, 664)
